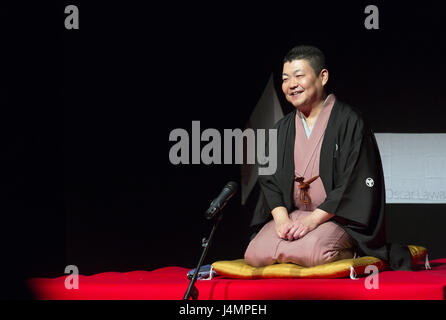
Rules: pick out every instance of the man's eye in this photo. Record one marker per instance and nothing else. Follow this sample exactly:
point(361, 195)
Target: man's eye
point(285, 79)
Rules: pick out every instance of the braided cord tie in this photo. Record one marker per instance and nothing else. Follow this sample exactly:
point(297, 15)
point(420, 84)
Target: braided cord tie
point(303, 189)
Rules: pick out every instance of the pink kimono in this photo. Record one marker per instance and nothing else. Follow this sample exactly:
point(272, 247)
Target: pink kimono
point(326, 243)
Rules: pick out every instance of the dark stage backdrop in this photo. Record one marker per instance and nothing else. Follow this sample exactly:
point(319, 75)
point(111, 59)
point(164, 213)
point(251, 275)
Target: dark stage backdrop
point(93, 141)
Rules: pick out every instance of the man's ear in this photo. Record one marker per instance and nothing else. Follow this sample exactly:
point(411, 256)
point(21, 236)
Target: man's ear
point(324, 76)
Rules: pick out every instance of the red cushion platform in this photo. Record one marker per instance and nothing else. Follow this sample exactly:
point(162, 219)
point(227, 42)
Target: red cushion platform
point(171, 283)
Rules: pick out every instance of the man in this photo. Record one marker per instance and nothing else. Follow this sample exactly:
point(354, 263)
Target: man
point(326, 201)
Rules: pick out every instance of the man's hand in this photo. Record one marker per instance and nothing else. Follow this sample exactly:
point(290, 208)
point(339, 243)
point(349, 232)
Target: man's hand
point(301, 227)
point(282, 220)
point(283, 227)
point(307, 223)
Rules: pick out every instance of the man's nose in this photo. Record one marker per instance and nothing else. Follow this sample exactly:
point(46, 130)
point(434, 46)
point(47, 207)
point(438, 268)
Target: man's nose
point(293, 83)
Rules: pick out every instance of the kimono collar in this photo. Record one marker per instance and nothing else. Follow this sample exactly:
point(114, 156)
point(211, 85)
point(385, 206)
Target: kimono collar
point(329, 100)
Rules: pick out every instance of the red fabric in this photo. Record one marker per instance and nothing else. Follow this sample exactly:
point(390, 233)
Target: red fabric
point(171, 283)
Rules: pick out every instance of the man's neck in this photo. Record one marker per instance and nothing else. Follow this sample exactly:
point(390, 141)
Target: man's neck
point(314, 111)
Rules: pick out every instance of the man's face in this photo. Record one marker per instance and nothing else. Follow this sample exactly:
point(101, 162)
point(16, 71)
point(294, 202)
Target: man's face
point(301, 86)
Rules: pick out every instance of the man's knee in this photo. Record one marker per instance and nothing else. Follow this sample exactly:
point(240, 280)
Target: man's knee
point(326, 250)
point(256, 258)
point(332, 256)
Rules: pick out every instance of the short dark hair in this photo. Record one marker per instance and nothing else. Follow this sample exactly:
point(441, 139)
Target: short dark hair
point(313, 55)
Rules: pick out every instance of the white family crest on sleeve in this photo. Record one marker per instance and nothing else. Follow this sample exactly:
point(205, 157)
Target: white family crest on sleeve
point(369, 182)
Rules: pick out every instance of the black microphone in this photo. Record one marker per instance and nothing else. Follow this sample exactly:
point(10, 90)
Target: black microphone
point(218, 203)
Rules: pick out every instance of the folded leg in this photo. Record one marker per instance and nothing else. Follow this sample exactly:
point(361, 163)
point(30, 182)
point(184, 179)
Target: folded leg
point(261, 251)
point(327, 243)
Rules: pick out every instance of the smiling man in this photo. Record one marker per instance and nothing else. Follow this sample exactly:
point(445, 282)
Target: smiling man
point(326, 200)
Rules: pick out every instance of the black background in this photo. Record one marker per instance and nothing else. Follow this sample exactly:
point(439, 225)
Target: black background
point(88, 115)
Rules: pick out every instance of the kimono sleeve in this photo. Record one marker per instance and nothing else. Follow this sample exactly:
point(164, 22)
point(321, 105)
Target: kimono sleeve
point(269, 184)
point(271, 191)
point(358, 193)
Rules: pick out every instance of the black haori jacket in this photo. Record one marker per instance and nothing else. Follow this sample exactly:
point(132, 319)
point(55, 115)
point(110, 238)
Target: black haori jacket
point(351, 172)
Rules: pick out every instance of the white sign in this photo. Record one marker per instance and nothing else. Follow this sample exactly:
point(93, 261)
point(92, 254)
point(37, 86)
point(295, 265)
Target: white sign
point(414, 166)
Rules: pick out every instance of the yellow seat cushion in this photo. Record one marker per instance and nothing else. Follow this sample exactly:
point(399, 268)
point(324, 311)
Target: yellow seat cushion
point(338, 269)
point(417, 253)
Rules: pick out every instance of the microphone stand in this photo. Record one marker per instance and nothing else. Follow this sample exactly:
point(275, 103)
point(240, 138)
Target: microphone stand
point(192, 291)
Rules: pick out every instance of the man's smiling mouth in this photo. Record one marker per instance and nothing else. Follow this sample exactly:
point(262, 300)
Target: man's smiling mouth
point(295, 93)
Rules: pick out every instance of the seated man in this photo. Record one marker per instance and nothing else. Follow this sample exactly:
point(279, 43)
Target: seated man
point(326, 200)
